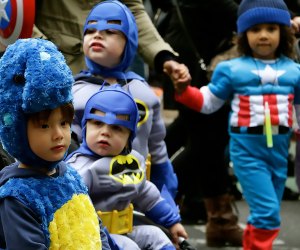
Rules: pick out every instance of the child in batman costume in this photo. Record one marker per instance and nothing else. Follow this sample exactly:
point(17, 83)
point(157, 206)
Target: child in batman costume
point(110, 42)
point(44, 203)
point(115, 174)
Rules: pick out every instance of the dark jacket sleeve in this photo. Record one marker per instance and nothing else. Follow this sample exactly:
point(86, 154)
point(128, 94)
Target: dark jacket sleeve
point(107, 241)
point(19, 227)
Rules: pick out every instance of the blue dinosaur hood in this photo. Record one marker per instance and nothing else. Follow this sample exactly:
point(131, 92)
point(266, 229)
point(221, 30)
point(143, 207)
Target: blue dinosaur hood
point(113, 10)
point(33, 77)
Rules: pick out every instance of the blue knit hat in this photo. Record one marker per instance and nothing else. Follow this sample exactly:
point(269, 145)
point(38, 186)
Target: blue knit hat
point(252, 12)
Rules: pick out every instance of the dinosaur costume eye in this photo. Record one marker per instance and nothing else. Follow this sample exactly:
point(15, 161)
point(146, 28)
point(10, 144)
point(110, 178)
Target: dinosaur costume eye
point(20, 79)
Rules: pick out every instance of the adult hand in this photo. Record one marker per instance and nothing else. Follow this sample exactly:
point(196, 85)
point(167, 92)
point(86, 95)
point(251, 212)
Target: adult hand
point(179, 74)
point(295, 24)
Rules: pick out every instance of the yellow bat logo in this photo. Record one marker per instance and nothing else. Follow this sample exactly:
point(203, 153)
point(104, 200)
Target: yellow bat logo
point(126, 169)
point(143, 111)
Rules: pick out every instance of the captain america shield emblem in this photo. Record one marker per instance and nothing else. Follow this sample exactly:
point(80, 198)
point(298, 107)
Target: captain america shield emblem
point(16, 20)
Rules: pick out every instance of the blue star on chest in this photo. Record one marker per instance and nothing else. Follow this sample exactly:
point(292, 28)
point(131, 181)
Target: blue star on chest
point(3, 13)
point(268, 74)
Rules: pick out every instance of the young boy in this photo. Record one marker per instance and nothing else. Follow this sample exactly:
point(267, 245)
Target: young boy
point(44, 203)
point(109, 44)
point(115, 174)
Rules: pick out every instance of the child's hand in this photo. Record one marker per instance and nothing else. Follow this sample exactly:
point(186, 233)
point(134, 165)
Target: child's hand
point(179, 74)
point(177, 230)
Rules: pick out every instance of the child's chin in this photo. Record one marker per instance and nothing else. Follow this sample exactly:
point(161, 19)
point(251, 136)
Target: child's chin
point(56, 158)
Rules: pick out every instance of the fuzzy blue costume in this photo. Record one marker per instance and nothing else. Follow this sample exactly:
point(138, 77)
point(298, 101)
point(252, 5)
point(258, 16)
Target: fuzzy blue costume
point(33, 77)
point(46, 210)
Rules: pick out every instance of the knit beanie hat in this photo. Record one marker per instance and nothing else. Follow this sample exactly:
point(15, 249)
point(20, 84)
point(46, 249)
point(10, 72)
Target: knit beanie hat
point(252, 12)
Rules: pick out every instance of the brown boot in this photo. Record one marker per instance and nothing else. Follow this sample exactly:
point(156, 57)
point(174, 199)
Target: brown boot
point(222, 228)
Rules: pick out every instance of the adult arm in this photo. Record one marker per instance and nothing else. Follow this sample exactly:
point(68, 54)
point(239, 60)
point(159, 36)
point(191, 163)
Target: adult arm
point(152, 47)
point(150, 41)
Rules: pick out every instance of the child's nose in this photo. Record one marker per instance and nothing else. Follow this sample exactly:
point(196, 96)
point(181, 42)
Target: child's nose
point(58, 133)
point(106, 129)
point(263, 33)
point(99, 33)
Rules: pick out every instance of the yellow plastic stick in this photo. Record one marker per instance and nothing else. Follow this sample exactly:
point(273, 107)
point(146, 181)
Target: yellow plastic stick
point(268, 126)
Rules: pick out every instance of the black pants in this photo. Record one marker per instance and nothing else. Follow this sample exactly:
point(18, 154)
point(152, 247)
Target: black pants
point(202, 167)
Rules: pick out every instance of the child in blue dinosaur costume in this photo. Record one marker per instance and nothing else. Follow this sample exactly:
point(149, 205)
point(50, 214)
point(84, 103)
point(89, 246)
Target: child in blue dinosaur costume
point(110, 42)
point(115, 174)
point(44, 204)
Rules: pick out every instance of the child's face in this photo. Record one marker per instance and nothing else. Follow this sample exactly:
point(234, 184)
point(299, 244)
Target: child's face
point(104, 47)
point(264, 40)
point(104, 139)
point(51, 138)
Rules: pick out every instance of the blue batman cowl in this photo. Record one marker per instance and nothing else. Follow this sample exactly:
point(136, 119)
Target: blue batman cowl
point(102, 13)
point(33, 77)
point(112, 101)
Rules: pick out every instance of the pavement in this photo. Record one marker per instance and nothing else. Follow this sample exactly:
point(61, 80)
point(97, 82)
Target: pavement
point(288, 239)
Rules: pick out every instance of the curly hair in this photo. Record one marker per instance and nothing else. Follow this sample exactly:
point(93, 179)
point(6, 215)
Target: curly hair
point(286, 45)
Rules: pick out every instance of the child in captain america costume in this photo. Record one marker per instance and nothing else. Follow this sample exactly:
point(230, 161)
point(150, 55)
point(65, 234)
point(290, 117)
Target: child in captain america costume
point(115, 174)
point(263, 85)
point(44, 203)
point(107, 23)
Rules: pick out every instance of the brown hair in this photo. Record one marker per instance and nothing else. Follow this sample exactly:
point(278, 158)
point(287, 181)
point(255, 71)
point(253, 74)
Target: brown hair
point(286, 44)
point(67, 111)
